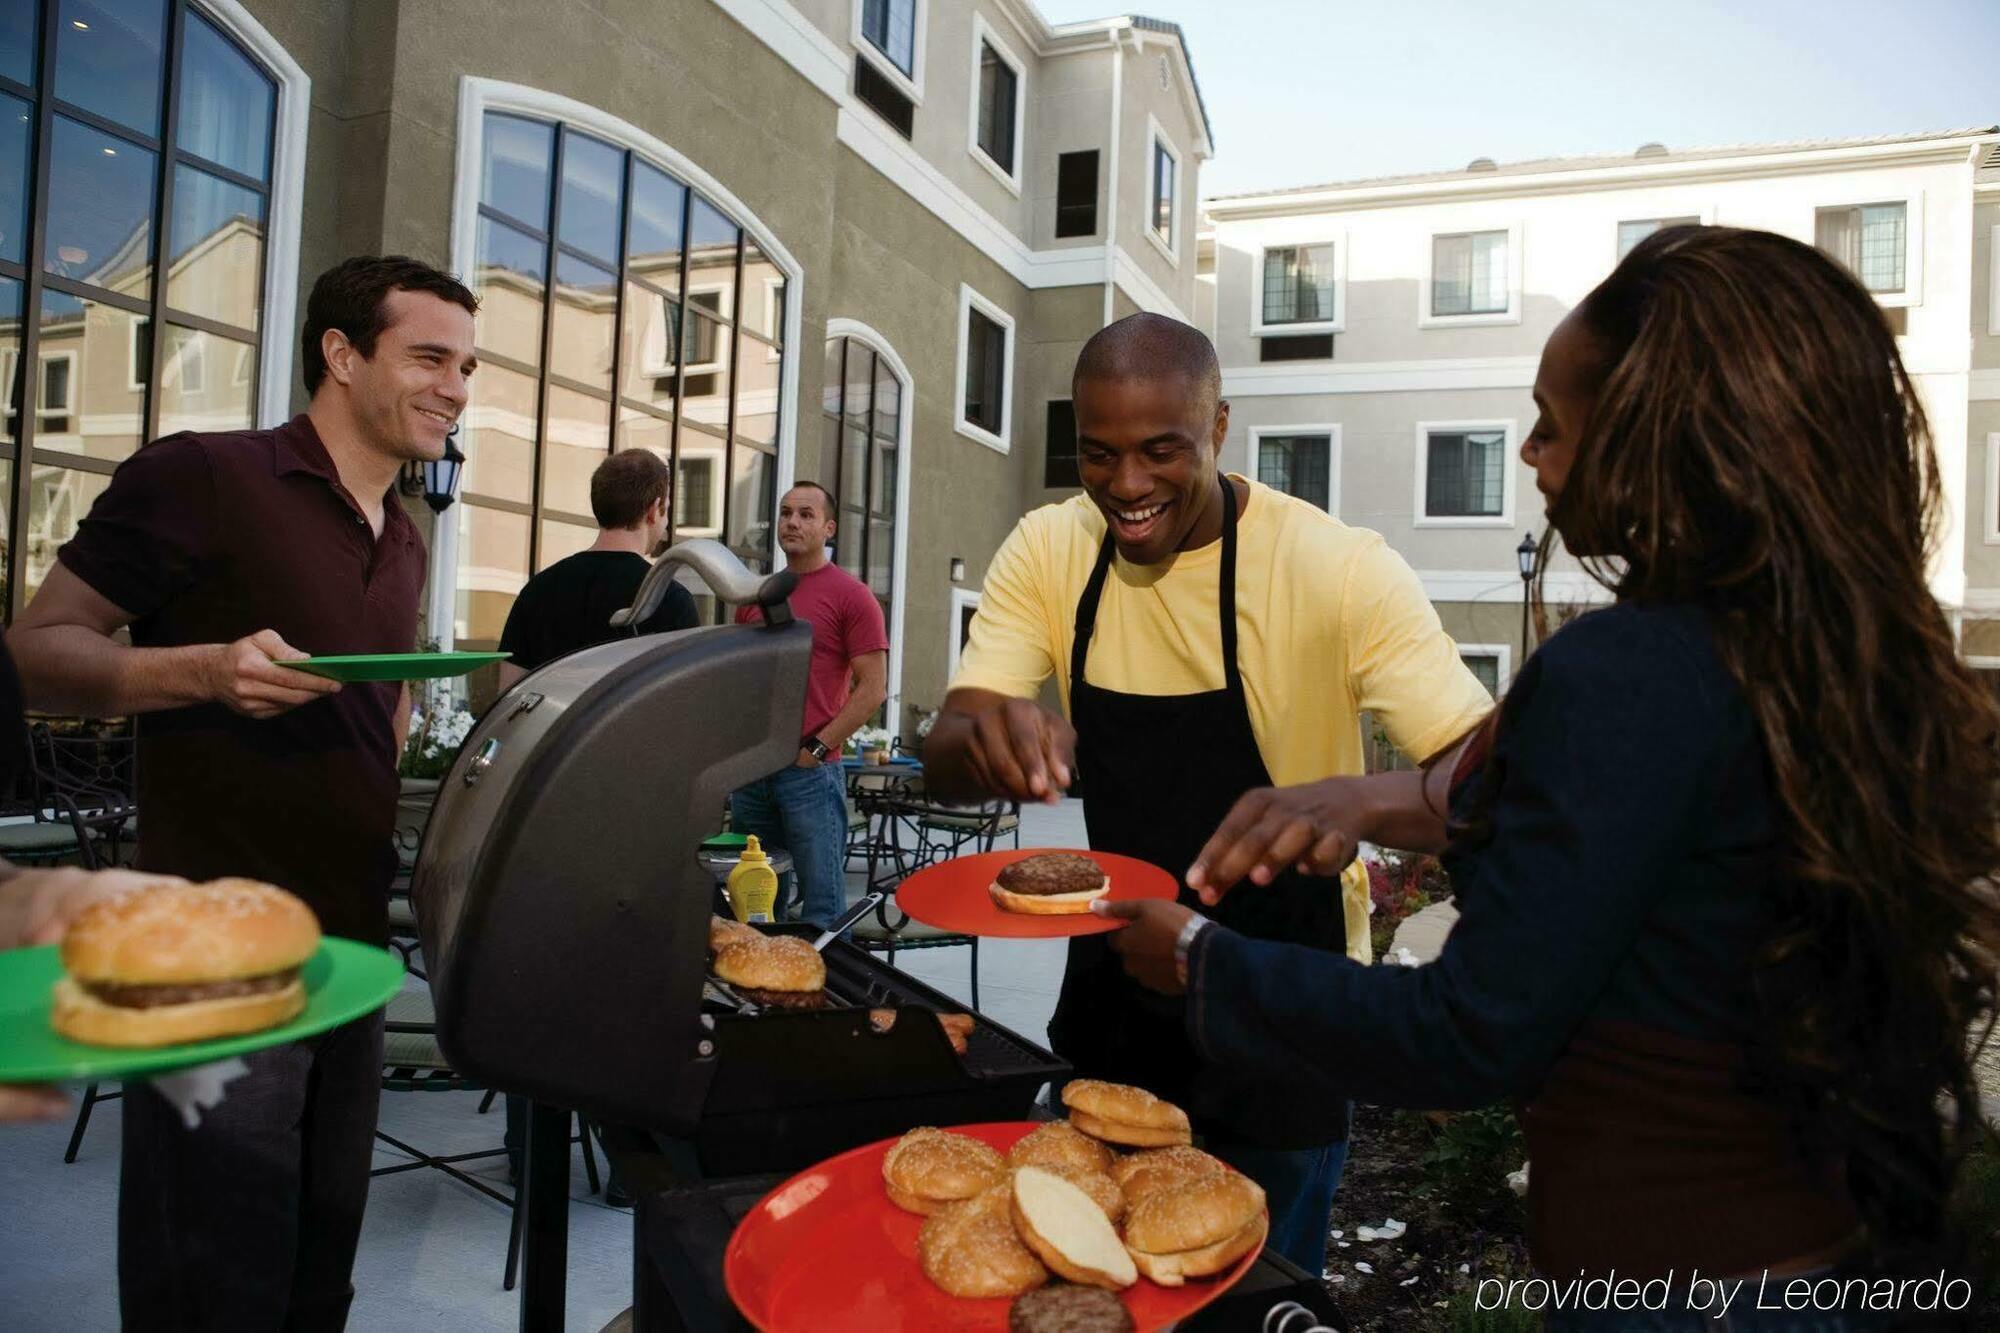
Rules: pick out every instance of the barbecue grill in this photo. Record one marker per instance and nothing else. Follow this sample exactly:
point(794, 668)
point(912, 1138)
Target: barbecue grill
point(564, 914)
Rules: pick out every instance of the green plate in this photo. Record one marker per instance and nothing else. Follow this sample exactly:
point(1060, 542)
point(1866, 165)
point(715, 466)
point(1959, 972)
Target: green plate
point(344, 980)
point(394, 666)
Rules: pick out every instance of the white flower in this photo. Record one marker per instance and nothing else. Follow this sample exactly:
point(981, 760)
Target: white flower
point(1517, 1181)
point(1362, 1266)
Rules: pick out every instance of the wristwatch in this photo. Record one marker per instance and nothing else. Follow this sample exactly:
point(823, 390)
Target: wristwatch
point(1184, 944)
point(815, 747)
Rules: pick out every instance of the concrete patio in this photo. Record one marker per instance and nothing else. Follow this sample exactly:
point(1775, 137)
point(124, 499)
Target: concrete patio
point(431, 1249)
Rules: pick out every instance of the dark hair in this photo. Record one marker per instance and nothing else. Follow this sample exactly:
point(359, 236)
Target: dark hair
point(832, 505)
point(352, 296)
point(1147, 346)
point(1757, 448)
point(626, 485)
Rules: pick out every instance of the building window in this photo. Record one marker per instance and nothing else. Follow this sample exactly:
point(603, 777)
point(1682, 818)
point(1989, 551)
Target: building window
point(985, 370)
point(1059, 466)
point(1076, 194)
point(1872, 240)
point(890, 26)
point(1470, 274)
point(861, 432)
point(1164, 222)
point(1296, 347)
point(1298, 462)
point(997, 105)
point(1465, 473)
point(613, 315)
point(1488, 662)
point(1300, 288)
point(875, 91)
point(964, 607)
point(116, 220)
point(1631, 233)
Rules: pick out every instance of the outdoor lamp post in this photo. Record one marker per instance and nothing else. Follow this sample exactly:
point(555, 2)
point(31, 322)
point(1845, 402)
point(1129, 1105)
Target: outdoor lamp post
point(441, 475)
point(1526, 555)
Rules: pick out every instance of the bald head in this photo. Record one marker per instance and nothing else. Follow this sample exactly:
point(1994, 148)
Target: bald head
point(1152, 347)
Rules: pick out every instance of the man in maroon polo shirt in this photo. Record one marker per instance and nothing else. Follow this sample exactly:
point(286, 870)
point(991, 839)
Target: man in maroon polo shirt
point(225, 555)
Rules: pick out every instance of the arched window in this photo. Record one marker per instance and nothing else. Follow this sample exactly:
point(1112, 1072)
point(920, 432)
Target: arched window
point(620, 309)
point(137, 143)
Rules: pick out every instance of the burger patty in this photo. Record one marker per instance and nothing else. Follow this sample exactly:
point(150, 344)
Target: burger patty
point(783, 999)
point(143, 995)
point(1052, 872)
point(1061, 1308)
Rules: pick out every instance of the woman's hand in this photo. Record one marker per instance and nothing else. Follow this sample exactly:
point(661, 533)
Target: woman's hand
point(1147, 944)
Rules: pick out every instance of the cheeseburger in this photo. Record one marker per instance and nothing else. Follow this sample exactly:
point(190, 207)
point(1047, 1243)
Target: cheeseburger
point(1050, 884)
point(775, 971)
point(184, 962)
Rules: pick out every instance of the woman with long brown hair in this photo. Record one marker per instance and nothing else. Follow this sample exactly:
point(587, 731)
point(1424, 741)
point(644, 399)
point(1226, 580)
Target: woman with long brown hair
point(1725, 853)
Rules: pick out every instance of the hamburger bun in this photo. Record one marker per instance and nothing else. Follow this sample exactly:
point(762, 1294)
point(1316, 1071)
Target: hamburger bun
point(184, 962)
point(928, 1168)
point(1049, 884)
point(1102, 1189)
point(1196, 1228)
point(970, 1249)
point(1058, 1144)
point(1119, 1113)
point(724, 931)
point(780, 971)
point(1142, 1173)
point(1069, 1231)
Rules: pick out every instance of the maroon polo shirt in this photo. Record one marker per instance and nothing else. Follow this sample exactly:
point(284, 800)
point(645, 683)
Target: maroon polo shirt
point(206, 539)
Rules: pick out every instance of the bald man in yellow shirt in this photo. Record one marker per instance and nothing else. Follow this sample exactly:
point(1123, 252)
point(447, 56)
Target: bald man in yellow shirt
point(1211, 638)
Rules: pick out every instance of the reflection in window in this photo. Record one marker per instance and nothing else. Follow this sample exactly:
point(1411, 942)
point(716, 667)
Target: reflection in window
point(1869, 239)
point(1469, 273)
point(862, 411)
point(1465, 473)
point(119, 351)
point(1298, 465)
point(891, 28)
point(584, 251)
point(1298, 284)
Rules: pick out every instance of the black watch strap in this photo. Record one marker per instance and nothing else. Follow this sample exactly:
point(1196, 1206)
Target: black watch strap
point(815, 747)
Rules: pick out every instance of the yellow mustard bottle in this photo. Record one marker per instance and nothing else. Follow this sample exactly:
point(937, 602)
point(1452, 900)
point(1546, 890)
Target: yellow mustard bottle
point(752, 888)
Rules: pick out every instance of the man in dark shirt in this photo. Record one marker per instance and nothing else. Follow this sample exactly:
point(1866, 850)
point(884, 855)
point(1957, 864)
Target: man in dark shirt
point(227, 554)
point(568, 606)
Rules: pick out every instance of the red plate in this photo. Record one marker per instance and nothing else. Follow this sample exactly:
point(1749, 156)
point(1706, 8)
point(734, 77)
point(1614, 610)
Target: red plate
point(826, 1252)
point(951, 895)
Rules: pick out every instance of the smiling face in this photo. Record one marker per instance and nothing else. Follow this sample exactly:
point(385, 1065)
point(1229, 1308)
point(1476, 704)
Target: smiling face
point(1566, 390)
point(407, 396)
point(1146, 452)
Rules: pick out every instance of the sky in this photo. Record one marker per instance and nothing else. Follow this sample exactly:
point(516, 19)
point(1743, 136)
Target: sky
point(1301, 93)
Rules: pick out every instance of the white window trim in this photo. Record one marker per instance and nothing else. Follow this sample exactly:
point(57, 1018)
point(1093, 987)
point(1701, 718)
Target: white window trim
point(477, 96)
point(1992, 283)
point(1170, 247)
point(717, 501)
point(277, 339)
point(1913, 239)
point(968, 301)
point(983, 35)
point(10, 360)
point(1329, 429)
point(68, 409)
point(911, 84)
point(961, 598)
point(771, 288)
point(1338, 324)
point(705, 367)
point(193, 352)
point(1510, 469)
point(241, 374)
point(1503, 653)
point(899, 572)
point(132, 327)
point(1992, 505)
point(1511, 315)
point(1705, 215)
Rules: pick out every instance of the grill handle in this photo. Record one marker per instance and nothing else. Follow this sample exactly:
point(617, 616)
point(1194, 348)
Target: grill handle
point(862, 907)
point(725, 575)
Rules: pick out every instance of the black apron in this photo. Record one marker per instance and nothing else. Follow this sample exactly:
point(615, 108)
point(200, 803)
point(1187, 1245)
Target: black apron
point(1160, 773)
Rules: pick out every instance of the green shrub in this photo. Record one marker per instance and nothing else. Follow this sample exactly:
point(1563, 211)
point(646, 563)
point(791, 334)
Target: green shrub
point(1468, 1164)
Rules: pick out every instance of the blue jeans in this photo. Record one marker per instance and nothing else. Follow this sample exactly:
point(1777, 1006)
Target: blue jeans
point(1299, 1185)
point(802, 811)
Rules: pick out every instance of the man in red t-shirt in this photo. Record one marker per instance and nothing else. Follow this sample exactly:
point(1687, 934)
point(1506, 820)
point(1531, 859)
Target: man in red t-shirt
point(803, 808)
